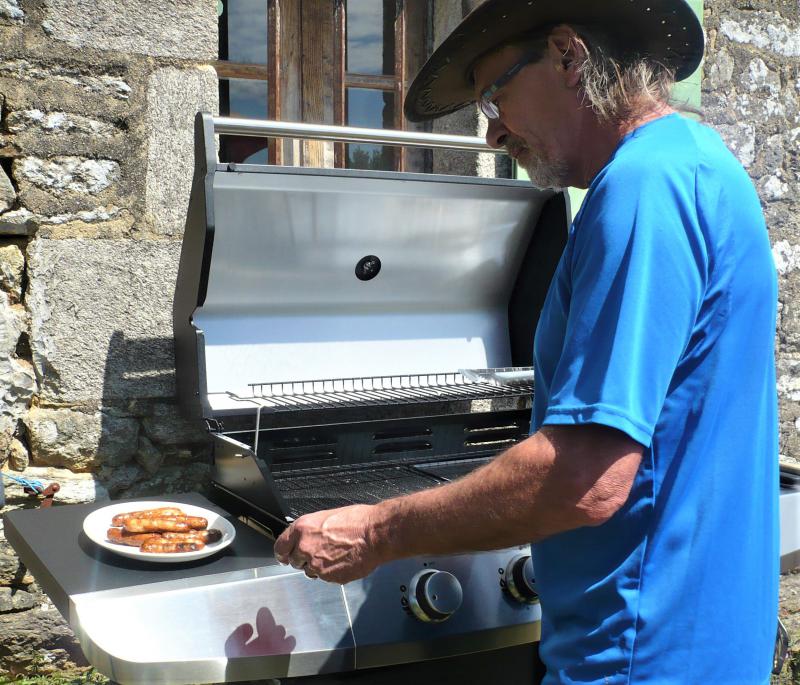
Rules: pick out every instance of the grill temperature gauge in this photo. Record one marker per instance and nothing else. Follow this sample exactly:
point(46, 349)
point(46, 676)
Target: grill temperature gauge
point(434, 596)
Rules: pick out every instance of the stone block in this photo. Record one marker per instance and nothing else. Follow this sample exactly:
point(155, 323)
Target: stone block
point(14, 599)
point(167, 426)
point(174, 97)
point(18, 457)
point(80, 442)
point(19, 222)
point(30, 635)
point(8, 196)
point(90, 79)
point(101, 318)
point(172, 479)
point(186, 29)
point(75, 174)
point(17, 386)
point(12, 572)
point(118, 481)
point(76, 488)
point(12, 323)
point(148, 456)
point(741, 139)
point(12, 266)
point(10, 12)
point(767, 31)
point(55, 123)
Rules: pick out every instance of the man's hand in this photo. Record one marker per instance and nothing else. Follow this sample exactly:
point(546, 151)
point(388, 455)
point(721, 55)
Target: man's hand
point(337, 545)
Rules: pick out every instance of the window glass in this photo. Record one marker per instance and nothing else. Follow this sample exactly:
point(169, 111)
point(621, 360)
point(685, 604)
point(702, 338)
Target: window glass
point(370, 109)
point(243, 31)
point(247, 99)
point(370, 36)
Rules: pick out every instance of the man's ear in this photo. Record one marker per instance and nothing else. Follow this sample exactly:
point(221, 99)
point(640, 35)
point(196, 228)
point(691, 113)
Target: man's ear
point(567, 52)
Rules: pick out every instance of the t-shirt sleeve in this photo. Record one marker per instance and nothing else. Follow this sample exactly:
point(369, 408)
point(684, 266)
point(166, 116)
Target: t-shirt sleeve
point(637, 273)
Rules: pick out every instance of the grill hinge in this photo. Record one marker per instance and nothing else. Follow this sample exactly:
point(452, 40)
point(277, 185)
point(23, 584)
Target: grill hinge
point(214, 426)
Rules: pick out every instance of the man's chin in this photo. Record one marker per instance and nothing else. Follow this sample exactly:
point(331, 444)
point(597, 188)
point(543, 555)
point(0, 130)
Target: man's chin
point(544, 178)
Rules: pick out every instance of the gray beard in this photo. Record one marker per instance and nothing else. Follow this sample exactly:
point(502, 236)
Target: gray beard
point(546, 173)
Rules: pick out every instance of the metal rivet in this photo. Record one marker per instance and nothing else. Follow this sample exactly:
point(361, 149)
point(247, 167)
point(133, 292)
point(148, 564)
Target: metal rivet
point(669, 35)
point(483, 31)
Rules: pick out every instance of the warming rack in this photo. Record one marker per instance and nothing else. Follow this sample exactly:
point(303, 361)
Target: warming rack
point(381, 390)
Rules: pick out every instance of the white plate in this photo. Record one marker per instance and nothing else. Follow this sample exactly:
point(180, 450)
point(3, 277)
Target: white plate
point(96, 525)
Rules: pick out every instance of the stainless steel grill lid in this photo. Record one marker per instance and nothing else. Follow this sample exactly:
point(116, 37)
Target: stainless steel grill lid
point(292, 274)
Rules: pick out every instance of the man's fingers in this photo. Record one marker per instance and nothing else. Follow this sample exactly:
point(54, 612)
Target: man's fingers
point(284, 545)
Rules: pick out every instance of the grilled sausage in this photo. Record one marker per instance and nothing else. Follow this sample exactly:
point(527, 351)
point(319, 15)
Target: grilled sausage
point(207, 536)
point(122, 537)
point(196, 522)
point(161, 512)
point(159, 545)
point(156, 525)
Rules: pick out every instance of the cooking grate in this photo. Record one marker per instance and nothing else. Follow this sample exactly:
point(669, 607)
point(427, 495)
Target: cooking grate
point(308, 493)
point(454, 469)
point(382, 390)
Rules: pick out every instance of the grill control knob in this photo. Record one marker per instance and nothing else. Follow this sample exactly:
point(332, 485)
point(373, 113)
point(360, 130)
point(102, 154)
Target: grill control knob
point(434, 596)
point(520, 581)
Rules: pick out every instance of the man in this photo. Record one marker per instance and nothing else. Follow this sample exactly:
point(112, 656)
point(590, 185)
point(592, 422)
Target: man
point(649, 484)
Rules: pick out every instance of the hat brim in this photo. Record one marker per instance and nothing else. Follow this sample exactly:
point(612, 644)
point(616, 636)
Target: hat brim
point(666, 31)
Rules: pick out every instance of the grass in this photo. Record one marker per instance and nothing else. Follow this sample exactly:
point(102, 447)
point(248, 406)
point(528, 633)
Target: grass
point(88, 678)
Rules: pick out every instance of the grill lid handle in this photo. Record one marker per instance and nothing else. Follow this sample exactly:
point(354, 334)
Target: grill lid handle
point(349, 134)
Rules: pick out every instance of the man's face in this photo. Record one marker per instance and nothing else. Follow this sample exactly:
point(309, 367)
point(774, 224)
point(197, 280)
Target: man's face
point(530, 114)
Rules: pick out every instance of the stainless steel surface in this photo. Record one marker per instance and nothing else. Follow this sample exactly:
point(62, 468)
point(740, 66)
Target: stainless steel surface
point(284, 304)
point(273, 622)
point(350, 134)
point(385, 632)
point(228, 629)
point(790, 521)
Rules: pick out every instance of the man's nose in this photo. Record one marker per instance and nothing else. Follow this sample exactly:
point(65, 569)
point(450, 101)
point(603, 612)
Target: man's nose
point(496, 134)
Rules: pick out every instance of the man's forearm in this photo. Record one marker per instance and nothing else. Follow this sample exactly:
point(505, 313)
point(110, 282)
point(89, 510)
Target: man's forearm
point(545, 485)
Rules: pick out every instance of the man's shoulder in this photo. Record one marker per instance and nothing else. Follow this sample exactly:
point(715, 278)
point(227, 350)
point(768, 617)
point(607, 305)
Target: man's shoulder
point(665, 157)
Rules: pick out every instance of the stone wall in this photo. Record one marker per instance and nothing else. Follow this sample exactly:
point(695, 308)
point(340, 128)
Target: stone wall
point(96, 122)
point(751, 94)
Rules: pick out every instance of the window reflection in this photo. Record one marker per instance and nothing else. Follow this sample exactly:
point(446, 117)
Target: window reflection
point(246, 99)
point(370, 36)
point(370, 109)
point(243, 31)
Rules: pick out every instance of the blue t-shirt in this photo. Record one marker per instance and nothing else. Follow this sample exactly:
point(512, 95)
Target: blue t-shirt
point(660, 322)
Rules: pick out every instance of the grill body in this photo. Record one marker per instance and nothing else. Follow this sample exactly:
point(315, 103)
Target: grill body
point(351, 336)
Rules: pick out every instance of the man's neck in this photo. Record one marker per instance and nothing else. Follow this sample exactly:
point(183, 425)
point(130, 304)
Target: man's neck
point(598, 140)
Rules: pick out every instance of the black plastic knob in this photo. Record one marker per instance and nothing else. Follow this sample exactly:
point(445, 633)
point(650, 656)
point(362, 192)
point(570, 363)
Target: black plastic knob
point(435, 596)
point(520, 580)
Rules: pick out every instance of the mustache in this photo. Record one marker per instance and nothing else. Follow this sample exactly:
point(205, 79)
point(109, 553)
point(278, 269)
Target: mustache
point(513, 145)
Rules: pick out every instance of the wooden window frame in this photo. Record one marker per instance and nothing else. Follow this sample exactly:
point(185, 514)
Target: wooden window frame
point(272, 73)
point(394, 83)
